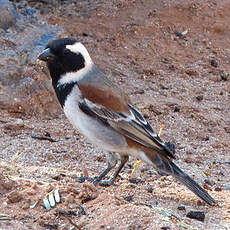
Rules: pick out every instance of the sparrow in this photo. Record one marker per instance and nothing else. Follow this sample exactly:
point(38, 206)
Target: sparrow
point(104, 114)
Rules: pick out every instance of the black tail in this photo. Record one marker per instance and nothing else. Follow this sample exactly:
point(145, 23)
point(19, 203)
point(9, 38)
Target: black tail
point(192, 185)
point(172, 169)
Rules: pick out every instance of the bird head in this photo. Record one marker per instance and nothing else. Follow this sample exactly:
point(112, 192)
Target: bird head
point(65, 56)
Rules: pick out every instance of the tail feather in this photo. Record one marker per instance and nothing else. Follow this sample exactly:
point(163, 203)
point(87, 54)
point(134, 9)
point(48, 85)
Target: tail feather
point(170, 168)
point(192, 185)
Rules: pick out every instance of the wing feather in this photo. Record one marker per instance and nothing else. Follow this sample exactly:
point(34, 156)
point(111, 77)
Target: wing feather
point(123, 118)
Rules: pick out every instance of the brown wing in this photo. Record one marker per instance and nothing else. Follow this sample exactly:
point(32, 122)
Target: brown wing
point(98, 89)
point(105, 100)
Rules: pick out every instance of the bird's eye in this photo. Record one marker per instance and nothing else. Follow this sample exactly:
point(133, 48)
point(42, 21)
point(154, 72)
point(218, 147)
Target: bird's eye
point(66, 51)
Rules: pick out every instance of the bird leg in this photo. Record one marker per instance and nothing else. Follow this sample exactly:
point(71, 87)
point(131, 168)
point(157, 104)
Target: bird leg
point(109, 182)
point(102, 175)
point(137, 163)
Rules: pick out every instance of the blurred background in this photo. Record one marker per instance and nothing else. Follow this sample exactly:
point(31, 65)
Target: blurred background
point(172, 58)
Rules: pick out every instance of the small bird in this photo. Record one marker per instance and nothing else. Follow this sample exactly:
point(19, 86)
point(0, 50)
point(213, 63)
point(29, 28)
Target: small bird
point(104, 114)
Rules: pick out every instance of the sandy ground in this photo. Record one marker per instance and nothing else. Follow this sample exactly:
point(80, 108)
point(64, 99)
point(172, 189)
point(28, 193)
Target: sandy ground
point(178, 80)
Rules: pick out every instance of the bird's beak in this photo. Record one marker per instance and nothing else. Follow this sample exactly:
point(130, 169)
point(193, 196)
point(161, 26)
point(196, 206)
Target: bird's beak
point(46, 55)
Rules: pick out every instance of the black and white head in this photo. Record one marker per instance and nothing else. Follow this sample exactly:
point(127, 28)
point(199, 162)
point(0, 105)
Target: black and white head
point(65, 58)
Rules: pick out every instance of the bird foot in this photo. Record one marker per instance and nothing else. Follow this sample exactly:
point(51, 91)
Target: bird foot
point(107, 183)
point(82, 179)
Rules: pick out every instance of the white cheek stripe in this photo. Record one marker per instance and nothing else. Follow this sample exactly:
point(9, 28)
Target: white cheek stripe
point(74, 76)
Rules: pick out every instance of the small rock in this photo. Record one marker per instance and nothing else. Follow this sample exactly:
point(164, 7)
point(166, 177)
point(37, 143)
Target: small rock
point(198, 215)
point(214, 63)
point(207, 138)
point(227, 129)
point(165, 227)
point(140, 91)
point(14, 196)
point(129, 198)
point(206, 181)
point(188, 160)
point(154, 109)
point(5, 183)
point(131, 186)
point(181, 34)
point(207, 187)
point(178, 34)
point(164, 86)
point(8, 14)
point(199, 97)
point(85, 34)
point(149, 188)
point(191, 72)
point(26, 205)
point(176, 109)
point(224, 76)
point(181, 208)
point(218, 189)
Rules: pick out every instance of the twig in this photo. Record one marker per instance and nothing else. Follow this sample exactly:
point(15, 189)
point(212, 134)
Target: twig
point(43, 138)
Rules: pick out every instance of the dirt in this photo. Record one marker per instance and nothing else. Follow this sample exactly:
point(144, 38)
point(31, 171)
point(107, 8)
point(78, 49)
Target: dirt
point(172, 58)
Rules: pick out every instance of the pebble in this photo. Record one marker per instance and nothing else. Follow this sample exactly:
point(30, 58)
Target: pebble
point(178, 34)
point(14, 196)
point(197, 215)
point(26, 205)
point(181, 208)
point(129, 198)
point(165, 227)
point(149, 188)
point(140, 91)
point(224, 76)
point(207, 187)
point(188, 160)
point(199, 97)
point(218, 189)
point(214, 63)
point(176, 109)
point(164, 86)
point(206, 181)
point(84, 34)
point(5, 183)
point(8, 14)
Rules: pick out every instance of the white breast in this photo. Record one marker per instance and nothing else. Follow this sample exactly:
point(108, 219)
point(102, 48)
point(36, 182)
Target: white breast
point(95, 131)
